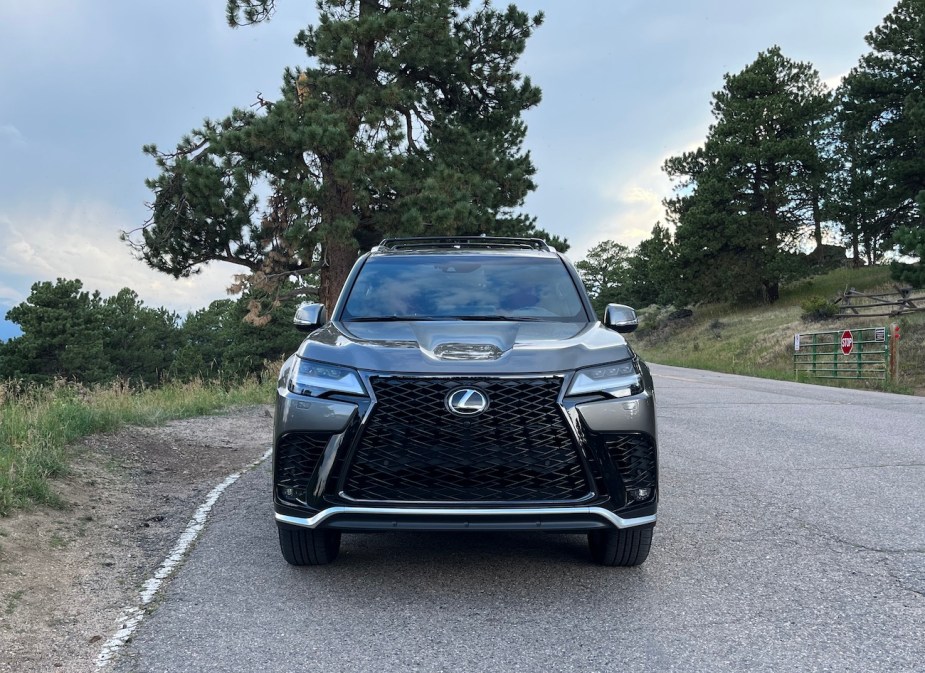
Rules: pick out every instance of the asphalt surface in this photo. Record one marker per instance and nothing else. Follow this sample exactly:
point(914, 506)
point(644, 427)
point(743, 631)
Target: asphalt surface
point(791, 537)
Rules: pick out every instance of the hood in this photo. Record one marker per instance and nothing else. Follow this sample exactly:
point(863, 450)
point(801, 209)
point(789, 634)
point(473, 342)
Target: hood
point(465, 347)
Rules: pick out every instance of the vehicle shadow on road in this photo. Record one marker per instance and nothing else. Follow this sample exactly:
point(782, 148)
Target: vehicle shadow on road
point(480, 569)
point(469, 548)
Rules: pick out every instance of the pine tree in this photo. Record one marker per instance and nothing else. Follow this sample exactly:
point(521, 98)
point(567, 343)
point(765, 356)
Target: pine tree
point(884, 123)
point(652, 270)
point(77, 335)
point(62, 335)
point(604, 271)
point(405, 120)
point(217, 341)
point(753, 191)
point(885, 105)
point(139, 342)
point(864, 223)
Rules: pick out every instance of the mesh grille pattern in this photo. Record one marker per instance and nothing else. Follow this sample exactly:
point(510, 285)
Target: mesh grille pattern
point(297, 456)
point(414, 449)
point(634, 458)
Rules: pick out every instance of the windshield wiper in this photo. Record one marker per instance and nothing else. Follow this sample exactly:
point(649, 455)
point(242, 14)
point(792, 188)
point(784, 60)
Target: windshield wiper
point(446, 318)
point(505, 318)
point(391, 318)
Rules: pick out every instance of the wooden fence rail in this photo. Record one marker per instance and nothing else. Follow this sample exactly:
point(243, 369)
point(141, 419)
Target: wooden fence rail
point(905, 300)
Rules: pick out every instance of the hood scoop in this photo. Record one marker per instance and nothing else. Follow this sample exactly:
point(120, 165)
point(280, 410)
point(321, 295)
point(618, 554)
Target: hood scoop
point(467, 351)
point(465, 341)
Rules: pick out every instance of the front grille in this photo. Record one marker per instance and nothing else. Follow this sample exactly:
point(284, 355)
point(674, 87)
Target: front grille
point(297, 457)
point(414, 449)
point(635, 460)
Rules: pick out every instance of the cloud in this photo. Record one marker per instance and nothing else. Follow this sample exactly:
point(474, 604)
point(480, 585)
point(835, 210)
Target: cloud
point(835, 81)
point(634, 194)
point(640, 207)
point(631, 204)
point(631, 196)
point(9, 296)
point(11, 135)
point(81, 240)
point(43, 31)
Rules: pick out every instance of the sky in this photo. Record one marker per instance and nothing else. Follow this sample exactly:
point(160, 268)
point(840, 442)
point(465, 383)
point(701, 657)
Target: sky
point(626, 84)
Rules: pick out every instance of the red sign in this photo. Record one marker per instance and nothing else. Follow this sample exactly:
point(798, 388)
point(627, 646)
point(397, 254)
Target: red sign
point(847, 342)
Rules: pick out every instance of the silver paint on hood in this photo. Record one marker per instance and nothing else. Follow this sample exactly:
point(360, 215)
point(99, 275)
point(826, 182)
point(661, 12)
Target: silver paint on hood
point(481, 348)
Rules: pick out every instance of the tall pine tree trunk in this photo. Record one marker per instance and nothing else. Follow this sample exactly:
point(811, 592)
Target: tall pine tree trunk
point(868, 250)
point(817, 224)
point(340, 249)
point(339, 257)
point(771, 291)
point(855, 245)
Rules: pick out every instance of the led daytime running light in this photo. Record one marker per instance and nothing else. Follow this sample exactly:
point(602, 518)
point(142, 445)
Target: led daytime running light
point(620, 379)
point(316, 378)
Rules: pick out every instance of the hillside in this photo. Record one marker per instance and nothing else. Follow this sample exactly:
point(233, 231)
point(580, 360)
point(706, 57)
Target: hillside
point(757, 340)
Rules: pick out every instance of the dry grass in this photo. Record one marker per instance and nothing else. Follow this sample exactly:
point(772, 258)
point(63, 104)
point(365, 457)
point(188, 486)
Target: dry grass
point(758, 340)
point(39, 423)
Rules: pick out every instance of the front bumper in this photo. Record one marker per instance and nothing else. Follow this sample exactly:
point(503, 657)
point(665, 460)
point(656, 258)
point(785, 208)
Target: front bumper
point(607, 436)
point(559, 519)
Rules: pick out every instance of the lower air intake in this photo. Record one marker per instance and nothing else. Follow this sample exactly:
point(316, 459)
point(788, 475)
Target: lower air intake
point(297, 457)
point(635, 460)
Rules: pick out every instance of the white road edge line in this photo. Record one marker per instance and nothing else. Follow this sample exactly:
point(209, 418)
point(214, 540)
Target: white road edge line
point(675, 378)
point(132, 616)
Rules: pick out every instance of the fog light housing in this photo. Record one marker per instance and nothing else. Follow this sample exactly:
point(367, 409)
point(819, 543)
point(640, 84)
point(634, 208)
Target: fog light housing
point(639, 494)
point(292, 494)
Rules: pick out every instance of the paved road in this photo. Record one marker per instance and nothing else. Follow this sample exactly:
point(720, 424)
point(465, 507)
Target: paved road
point(791, 537)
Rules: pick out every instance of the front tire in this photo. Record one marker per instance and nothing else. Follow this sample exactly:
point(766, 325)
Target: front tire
point(621, 546)
point(309, 547)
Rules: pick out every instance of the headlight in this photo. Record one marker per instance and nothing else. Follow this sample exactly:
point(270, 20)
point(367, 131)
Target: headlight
point(620, 379)
point(317, 378)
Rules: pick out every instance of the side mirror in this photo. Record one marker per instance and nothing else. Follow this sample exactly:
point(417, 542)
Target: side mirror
point(620, 318)
point(309, 317)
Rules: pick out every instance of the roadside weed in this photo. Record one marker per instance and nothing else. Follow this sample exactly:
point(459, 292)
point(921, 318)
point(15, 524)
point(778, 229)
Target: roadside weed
point(38, 424)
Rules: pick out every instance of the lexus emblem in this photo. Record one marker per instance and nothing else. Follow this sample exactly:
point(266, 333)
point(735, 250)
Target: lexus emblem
point(467, 401)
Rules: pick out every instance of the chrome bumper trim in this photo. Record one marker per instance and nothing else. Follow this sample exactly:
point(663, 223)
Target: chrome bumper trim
point(320, 517)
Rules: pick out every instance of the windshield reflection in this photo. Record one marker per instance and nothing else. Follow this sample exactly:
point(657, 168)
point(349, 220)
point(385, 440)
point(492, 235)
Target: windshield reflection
point(464, 288)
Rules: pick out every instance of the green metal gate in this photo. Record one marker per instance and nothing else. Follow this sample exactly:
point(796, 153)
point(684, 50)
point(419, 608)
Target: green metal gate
point(827, 355)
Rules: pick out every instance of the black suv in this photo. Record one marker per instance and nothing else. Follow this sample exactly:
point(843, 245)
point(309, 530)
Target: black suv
point(464, 384)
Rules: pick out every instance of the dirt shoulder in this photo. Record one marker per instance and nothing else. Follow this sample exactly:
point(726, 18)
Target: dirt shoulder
point(66, 575)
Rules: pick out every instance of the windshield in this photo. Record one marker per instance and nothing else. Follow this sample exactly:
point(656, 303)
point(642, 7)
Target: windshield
point(464, 287)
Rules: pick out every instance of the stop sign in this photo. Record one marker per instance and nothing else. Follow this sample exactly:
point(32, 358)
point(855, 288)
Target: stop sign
point(847, 342)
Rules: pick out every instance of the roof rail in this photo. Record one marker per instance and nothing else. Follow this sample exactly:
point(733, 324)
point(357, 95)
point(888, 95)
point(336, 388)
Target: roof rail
point(459, 242)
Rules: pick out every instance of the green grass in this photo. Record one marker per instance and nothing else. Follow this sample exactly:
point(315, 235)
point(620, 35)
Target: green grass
point(12, 601)
point(39, 424)
point(757, 340)
point(834, 283)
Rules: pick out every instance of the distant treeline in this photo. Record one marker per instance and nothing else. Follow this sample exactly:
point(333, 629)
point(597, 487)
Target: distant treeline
point(788, 161)
point(77, 335)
